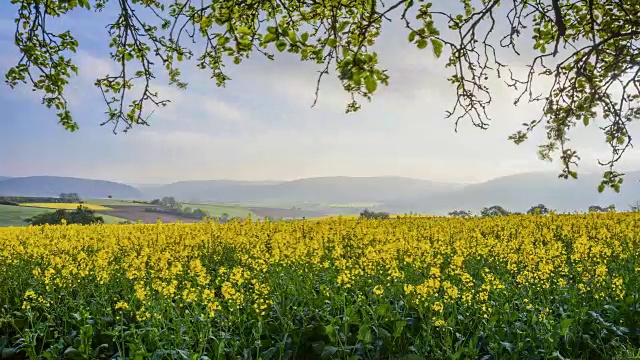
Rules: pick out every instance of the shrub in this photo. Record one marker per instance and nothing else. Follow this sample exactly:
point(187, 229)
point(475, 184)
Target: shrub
point(82, 215)
point(368, 214)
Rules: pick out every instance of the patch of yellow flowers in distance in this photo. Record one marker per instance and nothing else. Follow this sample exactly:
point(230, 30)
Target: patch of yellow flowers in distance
point(261, 273)
point(66, 206)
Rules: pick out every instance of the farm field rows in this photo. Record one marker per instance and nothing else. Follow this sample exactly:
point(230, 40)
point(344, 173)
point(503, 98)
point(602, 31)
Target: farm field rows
point(534, 287)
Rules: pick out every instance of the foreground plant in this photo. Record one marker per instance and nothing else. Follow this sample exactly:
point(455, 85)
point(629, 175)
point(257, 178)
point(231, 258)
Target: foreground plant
point(505, 287)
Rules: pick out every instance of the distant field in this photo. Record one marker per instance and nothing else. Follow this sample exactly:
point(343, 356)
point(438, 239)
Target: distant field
point(137, 213)
point(65, 206)
point(217, 210)
point(108, 219)
point(355, 216)
point(335, 217)
point(15, 215)
point(355, 205)
point(113, 202)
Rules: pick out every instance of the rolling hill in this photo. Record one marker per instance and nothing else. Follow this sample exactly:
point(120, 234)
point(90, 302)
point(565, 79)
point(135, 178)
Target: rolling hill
point(326, 190)
point(4, 178)
point(394, 194)
point(520, 192)
point(54, 185)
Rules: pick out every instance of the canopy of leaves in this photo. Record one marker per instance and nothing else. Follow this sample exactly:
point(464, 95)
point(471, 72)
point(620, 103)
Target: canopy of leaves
point(81, 215)
point(587, 51)
point(540, 209)
point(602, 209)
point(369, 214)
point(495, 210)
point(461, 213)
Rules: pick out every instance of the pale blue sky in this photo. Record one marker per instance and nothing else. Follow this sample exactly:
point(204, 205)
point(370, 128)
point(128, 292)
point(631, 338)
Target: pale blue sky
point(262, 127)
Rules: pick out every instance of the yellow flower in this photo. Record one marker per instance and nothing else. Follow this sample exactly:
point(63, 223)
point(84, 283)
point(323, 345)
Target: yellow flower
point(437, 306)
point(378, 290)
point(121, 305)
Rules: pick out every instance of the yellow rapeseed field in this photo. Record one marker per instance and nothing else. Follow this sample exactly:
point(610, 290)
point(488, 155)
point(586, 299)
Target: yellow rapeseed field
point(66, 206)
point(535, 287)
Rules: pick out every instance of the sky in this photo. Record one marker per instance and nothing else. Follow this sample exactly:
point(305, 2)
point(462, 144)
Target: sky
point(262, 127)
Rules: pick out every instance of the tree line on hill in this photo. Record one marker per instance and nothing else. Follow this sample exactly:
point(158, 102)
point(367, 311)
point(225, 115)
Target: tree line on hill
point(168, 205)
point(539, 209)
point(64, 198)
point(497, 210)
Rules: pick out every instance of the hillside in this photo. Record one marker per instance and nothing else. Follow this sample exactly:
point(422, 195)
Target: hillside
point(4, 178)
point(520, 192)
point(393, 194)
point(326, 190)
point(54, 185)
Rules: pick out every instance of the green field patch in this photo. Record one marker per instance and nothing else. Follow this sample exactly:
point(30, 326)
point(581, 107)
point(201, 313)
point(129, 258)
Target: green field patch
point(113, 202)
point(15, 215)
point(217, 210)
point(108, 219)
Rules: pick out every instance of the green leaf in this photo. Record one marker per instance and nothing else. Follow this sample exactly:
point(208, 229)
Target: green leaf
point(317, 346)
point(343, 26)
point(370, 83)
point(268, 354)
point(507, 345)
point(243, 30)
point(328, 351)
point(292, 37)
point(564, 325)
point(331, 332)
point(281, 45)
point(332, 42)
point(601, 188)
point(412, 36)
point(364, 334)
point(72, 353)
point(422, 43)
point(437, 47)
point(270, 37)
point(304, 37)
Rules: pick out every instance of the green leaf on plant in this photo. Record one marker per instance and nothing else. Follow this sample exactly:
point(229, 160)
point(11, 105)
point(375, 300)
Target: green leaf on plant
point(437, 47)
point(370, 83)
point(281, 45)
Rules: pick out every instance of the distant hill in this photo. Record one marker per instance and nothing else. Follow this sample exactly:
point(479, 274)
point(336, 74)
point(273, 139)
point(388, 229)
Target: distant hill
point(4, 178)
point(520, 192)
point(394, 194)
point(54, 185)
point(325, 190)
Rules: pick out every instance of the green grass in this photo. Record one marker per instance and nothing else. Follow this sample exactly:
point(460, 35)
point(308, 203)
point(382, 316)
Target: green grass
point(112, 202)
point(218, 210)
point(15, 215)
point(108, 219)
